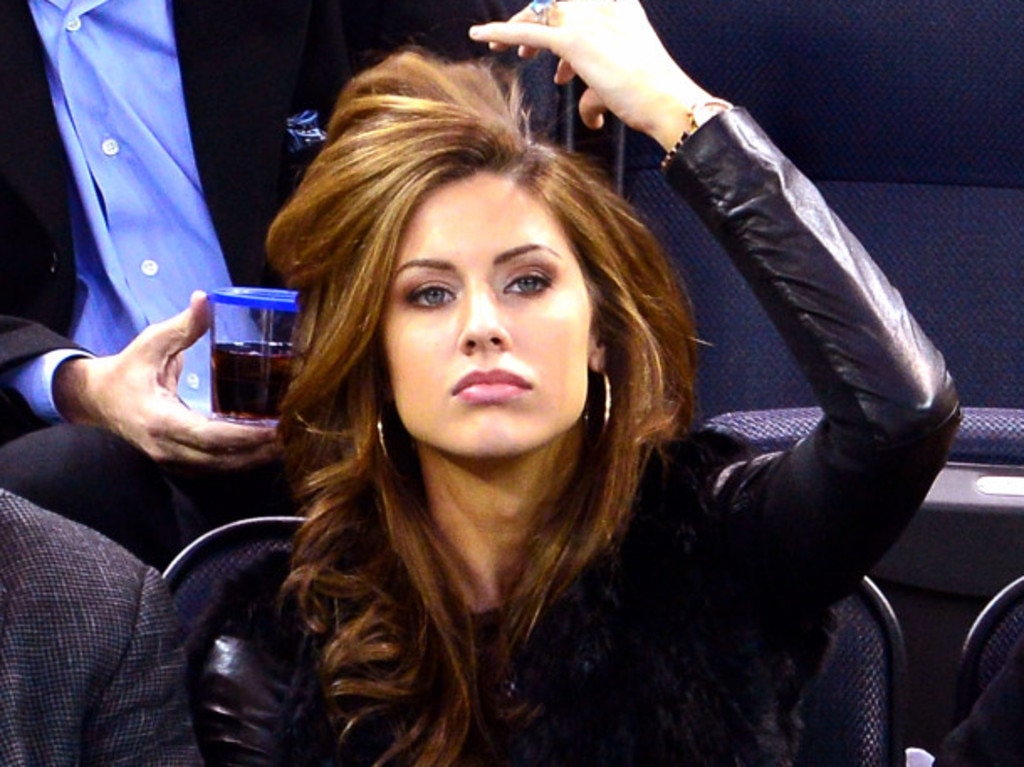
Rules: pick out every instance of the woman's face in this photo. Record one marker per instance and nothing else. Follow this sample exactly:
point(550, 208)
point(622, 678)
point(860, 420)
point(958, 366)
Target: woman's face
point(487, 330)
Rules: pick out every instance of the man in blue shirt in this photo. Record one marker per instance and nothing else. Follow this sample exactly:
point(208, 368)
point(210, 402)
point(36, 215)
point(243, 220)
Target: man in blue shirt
point(144, 154)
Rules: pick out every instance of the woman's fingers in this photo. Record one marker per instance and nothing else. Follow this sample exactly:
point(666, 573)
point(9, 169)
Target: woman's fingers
point(592, 109)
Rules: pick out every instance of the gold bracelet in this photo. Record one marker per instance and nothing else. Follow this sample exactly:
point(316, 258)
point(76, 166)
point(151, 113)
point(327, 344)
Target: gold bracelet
point(699, 115)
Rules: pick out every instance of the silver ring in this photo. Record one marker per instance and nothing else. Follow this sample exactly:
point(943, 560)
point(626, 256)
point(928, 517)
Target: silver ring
point(541, 9)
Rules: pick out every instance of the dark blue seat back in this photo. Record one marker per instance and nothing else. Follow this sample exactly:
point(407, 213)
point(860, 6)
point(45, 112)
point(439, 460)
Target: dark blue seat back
point(991, 436)
point(960, 549)
point(201, 569)
point(909, 116)
point(853, 712)
point(992, 639)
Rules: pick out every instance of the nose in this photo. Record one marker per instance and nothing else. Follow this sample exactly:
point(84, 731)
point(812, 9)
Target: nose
point(483, 328)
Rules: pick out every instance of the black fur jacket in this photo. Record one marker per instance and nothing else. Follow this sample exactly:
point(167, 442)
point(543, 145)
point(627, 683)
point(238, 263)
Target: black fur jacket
point(675, 653)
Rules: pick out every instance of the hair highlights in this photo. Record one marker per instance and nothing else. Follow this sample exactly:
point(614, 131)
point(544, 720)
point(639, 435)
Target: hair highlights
point(368, 571)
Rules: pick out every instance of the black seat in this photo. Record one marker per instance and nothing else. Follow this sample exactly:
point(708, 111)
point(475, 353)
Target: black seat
point(212, 559)
point(994, 634)
point(853, 714)
point(960, 549)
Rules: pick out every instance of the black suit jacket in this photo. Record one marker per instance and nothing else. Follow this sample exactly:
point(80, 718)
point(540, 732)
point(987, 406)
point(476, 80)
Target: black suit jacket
point(246, 65)
point(91, 668)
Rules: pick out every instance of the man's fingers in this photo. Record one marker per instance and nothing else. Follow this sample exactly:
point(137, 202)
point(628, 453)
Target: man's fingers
point(214, 436)
point(198, 444)
point(196, 319)
point(167, 338)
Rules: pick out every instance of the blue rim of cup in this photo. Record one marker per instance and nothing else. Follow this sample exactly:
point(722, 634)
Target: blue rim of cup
point(276, 299)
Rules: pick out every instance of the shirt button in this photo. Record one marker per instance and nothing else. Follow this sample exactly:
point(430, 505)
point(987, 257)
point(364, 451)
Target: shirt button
point(192, 380)
point(149, 267)
point(73, 24)
point(110, 147)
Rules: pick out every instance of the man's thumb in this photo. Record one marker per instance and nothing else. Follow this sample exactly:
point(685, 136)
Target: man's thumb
point(185, 328)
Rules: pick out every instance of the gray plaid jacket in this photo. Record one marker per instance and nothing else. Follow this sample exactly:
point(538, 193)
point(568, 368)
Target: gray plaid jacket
point(91, 670)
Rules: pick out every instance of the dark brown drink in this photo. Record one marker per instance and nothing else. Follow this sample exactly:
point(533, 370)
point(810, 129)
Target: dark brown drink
point(249, 379)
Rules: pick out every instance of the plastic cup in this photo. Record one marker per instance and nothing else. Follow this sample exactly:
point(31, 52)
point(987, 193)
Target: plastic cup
point(251, 352)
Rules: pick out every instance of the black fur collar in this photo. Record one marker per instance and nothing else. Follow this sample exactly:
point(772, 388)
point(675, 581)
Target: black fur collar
point(666, 656)
point(657, 657)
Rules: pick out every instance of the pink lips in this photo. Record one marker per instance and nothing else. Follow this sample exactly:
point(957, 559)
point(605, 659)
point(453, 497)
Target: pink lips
point(490, 386)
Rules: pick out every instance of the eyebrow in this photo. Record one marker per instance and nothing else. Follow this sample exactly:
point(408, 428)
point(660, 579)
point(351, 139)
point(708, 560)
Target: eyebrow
point(503, 257)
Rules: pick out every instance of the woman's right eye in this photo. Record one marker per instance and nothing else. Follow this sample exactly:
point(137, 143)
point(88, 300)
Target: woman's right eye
point(430, 295)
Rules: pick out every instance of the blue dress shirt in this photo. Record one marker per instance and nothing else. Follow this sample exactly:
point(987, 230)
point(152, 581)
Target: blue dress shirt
point(142, 232)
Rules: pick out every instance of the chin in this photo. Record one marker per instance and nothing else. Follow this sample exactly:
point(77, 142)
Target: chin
point(506, 446)
point(496, 438)
point(493, 450)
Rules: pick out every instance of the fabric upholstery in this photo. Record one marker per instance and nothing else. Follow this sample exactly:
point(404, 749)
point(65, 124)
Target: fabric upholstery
point(989, 643)
point(986, 435)
point(217, 556)
point(853, 713)
point(905, 115)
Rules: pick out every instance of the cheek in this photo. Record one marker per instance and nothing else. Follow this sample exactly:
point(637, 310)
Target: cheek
point(414, 369)
point(564, 348)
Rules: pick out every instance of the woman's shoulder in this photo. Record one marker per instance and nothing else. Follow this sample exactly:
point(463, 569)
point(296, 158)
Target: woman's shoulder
point(678, 508)
point(687, 469)
point(707, 450)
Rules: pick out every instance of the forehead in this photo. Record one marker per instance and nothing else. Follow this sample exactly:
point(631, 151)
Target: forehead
point(477, 216)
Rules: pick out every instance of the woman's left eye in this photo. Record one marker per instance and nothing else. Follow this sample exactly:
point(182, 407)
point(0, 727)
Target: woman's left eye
point(430, 296)
point(529, 283)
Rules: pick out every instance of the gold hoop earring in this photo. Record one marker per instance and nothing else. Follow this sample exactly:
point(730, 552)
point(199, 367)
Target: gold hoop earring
point(594, 432)
point(607, 400)
point(380, 437)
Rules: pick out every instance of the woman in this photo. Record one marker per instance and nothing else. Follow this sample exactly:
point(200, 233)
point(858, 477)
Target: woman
point(514, 550)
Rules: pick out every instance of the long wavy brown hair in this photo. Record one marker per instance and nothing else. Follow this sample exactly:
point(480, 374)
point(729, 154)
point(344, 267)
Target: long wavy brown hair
point(400, 644)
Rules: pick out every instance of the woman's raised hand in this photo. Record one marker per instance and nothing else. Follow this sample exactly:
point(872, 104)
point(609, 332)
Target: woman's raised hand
point(612, 47)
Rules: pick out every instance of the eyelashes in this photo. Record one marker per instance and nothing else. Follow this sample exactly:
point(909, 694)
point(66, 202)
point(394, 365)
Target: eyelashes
point(435, 295)
point(529, 284)
point(430, 296)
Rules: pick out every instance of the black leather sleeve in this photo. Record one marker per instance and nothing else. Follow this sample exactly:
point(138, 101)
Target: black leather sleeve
point(253, 682)
point(811, 521)
point(239, 705)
